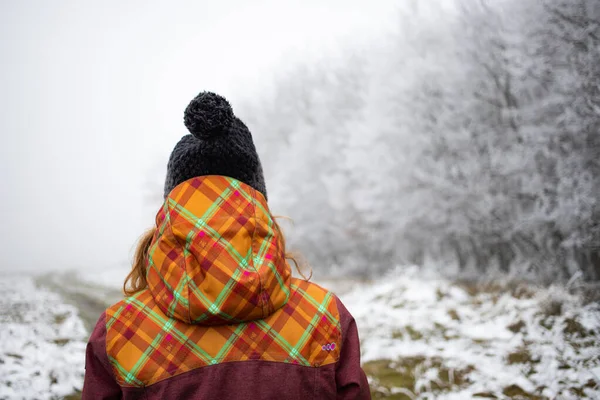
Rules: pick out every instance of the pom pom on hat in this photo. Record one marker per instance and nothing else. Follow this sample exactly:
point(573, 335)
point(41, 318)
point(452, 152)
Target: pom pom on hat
point(207, 115)
point(219, 144)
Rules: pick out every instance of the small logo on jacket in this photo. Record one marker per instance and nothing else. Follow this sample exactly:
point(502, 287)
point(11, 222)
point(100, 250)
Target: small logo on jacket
point(328, 347)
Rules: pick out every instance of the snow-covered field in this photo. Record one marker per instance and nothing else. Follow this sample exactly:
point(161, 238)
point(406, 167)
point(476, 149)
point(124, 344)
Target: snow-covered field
point(42, 342)
point(423, 337)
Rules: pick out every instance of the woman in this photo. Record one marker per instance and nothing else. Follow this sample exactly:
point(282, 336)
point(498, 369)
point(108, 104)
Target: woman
point(213, 311)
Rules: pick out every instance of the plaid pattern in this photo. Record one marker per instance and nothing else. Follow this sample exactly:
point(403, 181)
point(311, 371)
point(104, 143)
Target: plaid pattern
point(144, 346)
point(216, 257)
point(219, 290)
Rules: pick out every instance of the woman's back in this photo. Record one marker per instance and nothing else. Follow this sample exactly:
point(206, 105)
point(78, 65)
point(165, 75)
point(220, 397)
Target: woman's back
point(217, 314)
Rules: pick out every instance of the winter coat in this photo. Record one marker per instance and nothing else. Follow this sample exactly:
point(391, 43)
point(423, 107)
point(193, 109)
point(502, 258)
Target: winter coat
point(222, 317)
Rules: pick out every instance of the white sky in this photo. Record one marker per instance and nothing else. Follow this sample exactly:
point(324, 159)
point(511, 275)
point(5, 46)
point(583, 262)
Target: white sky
point(92, 99)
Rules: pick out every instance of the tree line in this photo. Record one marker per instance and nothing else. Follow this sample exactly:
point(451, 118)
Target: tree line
point(469, 139)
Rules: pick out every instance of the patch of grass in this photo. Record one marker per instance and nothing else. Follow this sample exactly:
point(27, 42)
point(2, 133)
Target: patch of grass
point(471, 287)
point(61, 341)
point(574, 328)
point(516, 392)
point(439, 295)
point(396, 305)
point(452, 377)
point(552, 308)
point(60, 318)
point(453, 314)
point(516, 327)
point(444, 332)
point(389, 396)
point(547, 322)
point(578, 336)
point(403, 373)
point(413, 333)
point(397, 334)
point(580, 391)
point(522, 291)
point(517, 289)
point(485, 395)
point(73, 396)
point(409, 331)
point(521, 356)
point(387, 377)
point(583, 344)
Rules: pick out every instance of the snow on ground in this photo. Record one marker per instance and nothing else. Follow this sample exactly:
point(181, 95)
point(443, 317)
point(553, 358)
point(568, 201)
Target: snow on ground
point(42, 342)
point(424, 337)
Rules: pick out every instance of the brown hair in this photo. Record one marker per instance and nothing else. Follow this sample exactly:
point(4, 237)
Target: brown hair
point(136, 279)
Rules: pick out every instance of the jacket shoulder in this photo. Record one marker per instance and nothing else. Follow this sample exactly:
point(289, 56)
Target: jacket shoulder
point(324, 299)
point(138, 301)
point(312, 289)
point(328, 301)
point(318, 300)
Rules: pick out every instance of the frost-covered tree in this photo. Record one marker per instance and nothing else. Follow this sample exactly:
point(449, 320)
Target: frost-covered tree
point(570, 46)
point(469, 137)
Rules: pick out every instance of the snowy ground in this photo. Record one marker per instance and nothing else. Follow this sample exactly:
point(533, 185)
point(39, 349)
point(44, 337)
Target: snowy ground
point(426, 338)
point(423, 337)
point(42, 342)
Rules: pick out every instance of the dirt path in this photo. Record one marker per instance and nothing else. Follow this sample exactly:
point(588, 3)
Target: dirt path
point(90, 299)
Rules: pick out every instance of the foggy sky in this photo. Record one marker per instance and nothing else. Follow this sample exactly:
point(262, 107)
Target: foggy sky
point(92, 101)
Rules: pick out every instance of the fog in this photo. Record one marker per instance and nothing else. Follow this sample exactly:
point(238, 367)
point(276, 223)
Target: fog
point(439, 160)
point(92, 101)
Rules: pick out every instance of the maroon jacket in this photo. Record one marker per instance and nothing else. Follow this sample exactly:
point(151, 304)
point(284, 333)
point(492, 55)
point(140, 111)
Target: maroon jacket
point(237, 380)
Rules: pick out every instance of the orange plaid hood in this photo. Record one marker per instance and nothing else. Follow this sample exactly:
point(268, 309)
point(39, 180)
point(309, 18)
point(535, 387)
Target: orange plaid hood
point(217, 256)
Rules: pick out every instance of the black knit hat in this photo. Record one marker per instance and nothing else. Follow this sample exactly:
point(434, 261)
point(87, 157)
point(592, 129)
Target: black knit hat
point(219, 144)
